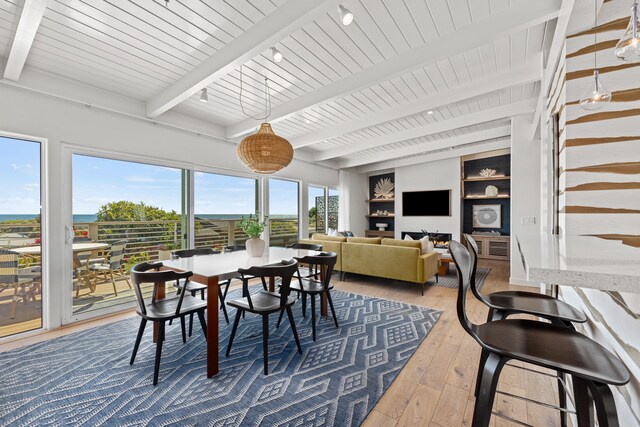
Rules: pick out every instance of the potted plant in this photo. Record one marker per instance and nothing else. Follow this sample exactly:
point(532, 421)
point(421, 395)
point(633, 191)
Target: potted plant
point(253, 227)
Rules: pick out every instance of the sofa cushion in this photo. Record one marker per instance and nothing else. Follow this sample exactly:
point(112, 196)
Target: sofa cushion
point(320, 236)
point(427, 245)
point(367, 240)
point(405, 243)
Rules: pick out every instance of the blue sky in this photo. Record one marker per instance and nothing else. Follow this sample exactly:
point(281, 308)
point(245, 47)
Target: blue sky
point(97, 181)
point(20, 177)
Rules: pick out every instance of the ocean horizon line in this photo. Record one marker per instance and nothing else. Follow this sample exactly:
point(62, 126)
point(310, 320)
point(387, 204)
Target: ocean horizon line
point(94, 217)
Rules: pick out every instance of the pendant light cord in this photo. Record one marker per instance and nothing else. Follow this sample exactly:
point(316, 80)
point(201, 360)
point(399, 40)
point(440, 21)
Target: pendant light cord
point(267, 99)
point(595, 35)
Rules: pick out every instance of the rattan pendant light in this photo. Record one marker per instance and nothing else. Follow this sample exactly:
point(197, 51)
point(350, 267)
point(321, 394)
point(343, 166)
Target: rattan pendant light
point(264, 152)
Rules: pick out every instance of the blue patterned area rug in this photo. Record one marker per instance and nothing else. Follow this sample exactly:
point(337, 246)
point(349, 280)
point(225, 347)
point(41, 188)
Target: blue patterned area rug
point(85, 378)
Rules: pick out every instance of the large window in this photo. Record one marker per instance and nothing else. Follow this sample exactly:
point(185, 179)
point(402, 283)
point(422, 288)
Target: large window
point(123, 213)
point(317, 210)
point(220, 203)
point(20, 237)
point(283, 212)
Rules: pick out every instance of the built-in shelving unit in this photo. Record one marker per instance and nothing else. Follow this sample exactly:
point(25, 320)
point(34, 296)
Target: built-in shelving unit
point(474, 193)
point(380, 204)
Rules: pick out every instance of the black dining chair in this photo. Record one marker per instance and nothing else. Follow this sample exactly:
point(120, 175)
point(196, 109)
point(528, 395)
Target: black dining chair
point(195, 287)
point(309, 270)
point(161, 311)
point(592, 367)
point(307, 286)
point(505, 303)
point(265, 303)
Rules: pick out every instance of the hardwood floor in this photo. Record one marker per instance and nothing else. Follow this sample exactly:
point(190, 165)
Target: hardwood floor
point(435, 388)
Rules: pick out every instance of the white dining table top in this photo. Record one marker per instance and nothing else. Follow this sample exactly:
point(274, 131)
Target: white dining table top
point(226, 265)
point(581, 261)
point(77, 247)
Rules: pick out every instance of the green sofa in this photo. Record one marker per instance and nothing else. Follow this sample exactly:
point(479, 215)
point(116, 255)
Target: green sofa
point(388, 258)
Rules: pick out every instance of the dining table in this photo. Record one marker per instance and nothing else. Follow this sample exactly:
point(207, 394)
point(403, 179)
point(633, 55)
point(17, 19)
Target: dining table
point(77, 248)
point(212, 269)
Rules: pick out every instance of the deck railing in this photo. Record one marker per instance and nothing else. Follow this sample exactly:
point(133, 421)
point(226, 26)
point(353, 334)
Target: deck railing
point(152, 240)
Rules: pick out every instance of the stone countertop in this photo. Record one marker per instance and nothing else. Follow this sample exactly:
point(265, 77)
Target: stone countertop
point(580, 261)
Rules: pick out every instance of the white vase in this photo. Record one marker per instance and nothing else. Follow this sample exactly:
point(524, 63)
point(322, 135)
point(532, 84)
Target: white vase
point(255, 247)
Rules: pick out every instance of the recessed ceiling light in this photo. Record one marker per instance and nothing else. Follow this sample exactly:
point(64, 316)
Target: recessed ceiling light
point(277, 55)
point(204, 97)
point(345, 15)
point(429, 112)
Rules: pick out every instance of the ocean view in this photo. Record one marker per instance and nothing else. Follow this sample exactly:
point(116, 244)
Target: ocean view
point(92, 218)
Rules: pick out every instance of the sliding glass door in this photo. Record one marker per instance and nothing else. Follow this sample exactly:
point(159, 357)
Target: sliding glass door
point(220, 202)
point(21, 255)
point(123, 213)
point(283, 212)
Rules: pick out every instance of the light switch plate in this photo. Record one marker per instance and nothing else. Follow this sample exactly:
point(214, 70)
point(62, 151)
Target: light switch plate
point(528, 220)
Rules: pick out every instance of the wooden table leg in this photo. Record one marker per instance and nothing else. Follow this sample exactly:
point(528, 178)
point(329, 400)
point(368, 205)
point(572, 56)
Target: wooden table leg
point(323, 296)
point(213, 337)
point(161, 294)
point(272, 284)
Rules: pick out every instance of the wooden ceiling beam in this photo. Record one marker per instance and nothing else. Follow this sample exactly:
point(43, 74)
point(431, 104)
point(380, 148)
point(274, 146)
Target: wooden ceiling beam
point(273, 28)
point(28, 25)
point(462, 40)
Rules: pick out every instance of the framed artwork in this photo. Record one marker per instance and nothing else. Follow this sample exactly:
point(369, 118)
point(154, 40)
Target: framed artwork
point(487, 216)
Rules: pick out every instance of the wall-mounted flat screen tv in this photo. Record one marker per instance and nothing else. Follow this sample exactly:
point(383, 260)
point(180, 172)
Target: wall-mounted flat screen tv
point(426, 203)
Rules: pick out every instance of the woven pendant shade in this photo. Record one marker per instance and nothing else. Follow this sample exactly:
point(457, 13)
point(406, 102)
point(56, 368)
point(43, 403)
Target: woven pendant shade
point(265, 152)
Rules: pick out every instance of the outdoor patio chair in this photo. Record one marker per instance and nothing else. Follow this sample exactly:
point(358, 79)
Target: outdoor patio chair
point(114, 264)
point(24, 281)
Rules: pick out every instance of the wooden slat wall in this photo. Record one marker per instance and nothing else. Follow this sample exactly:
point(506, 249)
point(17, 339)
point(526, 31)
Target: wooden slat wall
point(600, 184)
point(602, 148)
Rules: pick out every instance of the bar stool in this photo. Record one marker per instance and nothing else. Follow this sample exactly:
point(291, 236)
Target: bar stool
point(592, 367)
point(505, 303)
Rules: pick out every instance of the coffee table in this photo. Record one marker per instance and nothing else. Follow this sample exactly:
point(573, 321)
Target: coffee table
point(445, 259)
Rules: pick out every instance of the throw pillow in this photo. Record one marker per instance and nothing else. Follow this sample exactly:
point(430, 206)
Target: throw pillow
point(407, 237)
point(332, 232)
point(427, 245)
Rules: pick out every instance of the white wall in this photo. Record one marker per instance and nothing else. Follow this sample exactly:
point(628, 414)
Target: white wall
point(438, 175)
point(525, 189)
point(353, 210)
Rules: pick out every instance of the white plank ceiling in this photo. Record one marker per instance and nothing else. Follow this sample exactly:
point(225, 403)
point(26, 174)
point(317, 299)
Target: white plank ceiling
point(138, 48)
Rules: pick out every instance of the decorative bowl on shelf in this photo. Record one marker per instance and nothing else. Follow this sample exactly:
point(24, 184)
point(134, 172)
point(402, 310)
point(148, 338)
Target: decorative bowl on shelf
point(381, 226)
